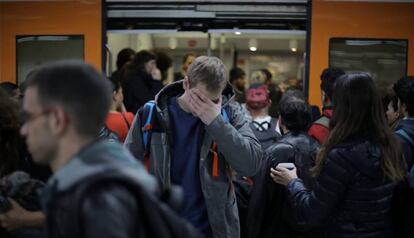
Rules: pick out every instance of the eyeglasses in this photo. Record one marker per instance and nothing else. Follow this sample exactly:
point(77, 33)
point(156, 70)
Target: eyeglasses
point(26, 117)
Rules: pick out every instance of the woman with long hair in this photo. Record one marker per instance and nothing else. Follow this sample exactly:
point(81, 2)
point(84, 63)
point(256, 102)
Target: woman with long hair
point(356, 170)
point(118, 120)
point(141, 80)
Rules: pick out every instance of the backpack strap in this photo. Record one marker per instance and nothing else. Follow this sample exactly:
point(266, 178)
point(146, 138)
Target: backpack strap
point(126, 120)
point(260, 126)
point(213, 148)
point(404, 134)
point(273, 123)
point(148, 115)
point(147, 118)
point(323, 121)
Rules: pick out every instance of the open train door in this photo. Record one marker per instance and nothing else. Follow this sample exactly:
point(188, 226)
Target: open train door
point(287, 19)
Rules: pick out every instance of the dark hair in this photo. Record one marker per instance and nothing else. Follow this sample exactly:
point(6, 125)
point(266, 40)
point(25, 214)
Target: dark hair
point(116, 84)
point(208, 70)
point(292, 93)
point(83, 92)
point(296, 114)
point(358, 110)
point(390, 98)
point(141, 58)
point(404, 89)
point(9, 88)
point(188, 55)
point(328, 78)
point(164, 62)
point(267, 74)
point(236, 73)
point(9, 134)
point(123, 57)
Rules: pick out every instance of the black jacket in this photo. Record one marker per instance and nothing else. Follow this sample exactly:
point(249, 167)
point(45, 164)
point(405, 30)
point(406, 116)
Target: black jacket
point(104, 192)
point(351, 197)
point(268, 213)
point(407, 149)
point(139, 87)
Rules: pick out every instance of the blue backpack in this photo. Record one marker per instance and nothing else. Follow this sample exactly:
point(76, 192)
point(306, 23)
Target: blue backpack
point(148, 119)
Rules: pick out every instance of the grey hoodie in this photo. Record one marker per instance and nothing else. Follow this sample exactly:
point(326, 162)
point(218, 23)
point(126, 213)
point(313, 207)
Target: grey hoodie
point(238, 150)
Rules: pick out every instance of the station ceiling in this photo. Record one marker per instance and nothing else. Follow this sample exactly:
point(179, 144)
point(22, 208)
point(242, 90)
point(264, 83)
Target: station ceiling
point(204, 15)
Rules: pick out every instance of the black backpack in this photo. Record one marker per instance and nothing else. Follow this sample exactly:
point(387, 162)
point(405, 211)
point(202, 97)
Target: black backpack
point(266, 137)
point(156, 216)
point(304, 159)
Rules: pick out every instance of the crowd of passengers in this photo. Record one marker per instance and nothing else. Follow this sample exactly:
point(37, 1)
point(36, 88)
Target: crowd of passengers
point(203, 156)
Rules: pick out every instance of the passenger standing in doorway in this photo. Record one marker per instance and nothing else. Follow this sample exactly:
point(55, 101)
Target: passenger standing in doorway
point(141, 81)
point(356, 169)
point(118, 122)
point(238, 81)
point(188, 59)
point(196, 136)
point(124, 57)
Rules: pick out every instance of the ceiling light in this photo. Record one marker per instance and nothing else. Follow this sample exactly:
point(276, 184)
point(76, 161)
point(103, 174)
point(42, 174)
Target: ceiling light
point(253, 44)
point(293, 45)
point(173, 43)
point(213, 43)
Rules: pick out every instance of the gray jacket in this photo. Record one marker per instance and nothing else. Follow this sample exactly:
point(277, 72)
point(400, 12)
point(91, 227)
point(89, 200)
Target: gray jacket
point(237, 146)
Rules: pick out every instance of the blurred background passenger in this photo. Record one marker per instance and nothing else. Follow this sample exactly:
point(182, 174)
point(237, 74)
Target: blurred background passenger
point(262, 125)
point(320, 128)
point(15, 220)
point(10, 141)
point(404, 90)
point(12, 90)
point(124, 57)
point(356, 169)
point(141, 81)
point(164, 62)
point(187, 61)
point(269, 211)
point(275, 93)
point(390, 103)
point(238, 81)
point(118, 121)
point(404, 212)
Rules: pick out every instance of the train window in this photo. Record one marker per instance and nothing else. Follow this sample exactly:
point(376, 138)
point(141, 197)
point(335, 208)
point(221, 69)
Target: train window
point(33, 51)
point(384, 59)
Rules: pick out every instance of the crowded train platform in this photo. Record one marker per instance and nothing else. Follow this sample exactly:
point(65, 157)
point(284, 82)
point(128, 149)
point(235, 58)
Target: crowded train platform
point(206, 118)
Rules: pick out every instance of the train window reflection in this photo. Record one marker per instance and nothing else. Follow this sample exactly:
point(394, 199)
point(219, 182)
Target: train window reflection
point(384, 59)
point(33, 51)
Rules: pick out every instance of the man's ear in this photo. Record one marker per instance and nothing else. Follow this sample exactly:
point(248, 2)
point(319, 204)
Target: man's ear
point(59, 121)
point(186, 83)
point(325, 98)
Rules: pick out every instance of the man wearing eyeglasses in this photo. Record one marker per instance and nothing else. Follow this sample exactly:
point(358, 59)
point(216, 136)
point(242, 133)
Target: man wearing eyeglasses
point(64, 108)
